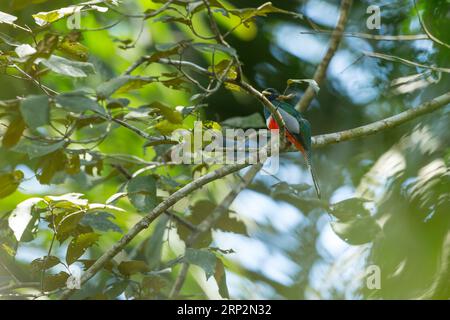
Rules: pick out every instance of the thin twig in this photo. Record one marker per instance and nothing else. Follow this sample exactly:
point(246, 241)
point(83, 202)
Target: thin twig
point(321, 70)
point(380, 37)
point(424, 27)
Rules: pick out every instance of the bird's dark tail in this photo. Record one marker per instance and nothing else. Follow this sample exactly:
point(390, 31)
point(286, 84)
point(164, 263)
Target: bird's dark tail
point(313, 174)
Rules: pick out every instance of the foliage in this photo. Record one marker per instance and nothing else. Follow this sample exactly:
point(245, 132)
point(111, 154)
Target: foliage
point(85, 126)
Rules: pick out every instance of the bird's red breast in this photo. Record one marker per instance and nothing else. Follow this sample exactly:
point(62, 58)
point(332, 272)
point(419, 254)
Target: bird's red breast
point(272, 125)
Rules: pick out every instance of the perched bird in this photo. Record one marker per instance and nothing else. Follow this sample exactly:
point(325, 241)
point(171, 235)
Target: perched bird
point(298, 129)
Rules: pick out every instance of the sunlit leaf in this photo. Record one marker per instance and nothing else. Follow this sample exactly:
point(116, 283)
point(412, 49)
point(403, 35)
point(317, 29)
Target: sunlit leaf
point(25, 50)
point(22, 217)
point(66, 67)
point(222, 67)
point(72, 199)
point(167, 112)
point(7, 18)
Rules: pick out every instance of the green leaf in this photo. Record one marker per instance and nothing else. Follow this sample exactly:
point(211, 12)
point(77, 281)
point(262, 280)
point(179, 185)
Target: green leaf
point(21, 217)
point(14, 132)
point(152, 285)
point(284, 189)
point(100, 221)
point(78, 102)
point(44, 18)
point(9, 182)
point(349, 209)
point(36, 149)
point(247, 14)
point(167, 112)
point(63, 66)
point(44, 263)
point(254, 120)
point(167, 50)
point(214, 47)
point(128, 268)
point(52, 282)
point(79, 245)
point(224, 65)
point(50, 164)
point(166, 127)
point(199, 211)
point(121, 84)
point(116, 289)
point(35, 111)
point(154, 244)
point(202, 258)
point(74, 49)
point(231, 224)
point(221, 279)
point(357, 231)
point(142, 192)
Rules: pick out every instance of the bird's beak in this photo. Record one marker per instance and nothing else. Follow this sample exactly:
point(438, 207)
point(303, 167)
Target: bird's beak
point(266, 93)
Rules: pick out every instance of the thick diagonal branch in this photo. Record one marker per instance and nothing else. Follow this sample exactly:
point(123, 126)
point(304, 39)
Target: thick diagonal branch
point(387, 123)
point(155, 213)
point(210, 221)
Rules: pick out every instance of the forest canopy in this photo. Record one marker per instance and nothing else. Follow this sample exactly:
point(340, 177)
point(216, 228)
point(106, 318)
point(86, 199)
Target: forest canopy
point(93, 204)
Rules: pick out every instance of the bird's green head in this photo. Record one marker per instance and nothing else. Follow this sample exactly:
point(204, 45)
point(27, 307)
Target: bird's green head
point(271, 94)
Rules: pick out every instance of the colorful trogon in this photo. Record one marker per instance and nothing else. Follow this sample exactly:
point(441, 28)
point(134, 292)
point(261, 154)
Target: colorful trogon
point(298, 129)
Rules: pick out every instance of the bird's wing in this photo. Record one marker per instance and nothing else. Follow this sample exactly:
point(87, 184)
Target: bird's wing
point(298, 126)
point(288, 116)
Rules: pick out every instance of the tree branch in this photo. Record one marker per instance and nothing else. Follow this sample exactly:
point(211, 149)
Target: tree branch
point(321, 70)
point(379, 37)
point(150, 217)
point(318, 141)
point(210, 221)
point(387, 123)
